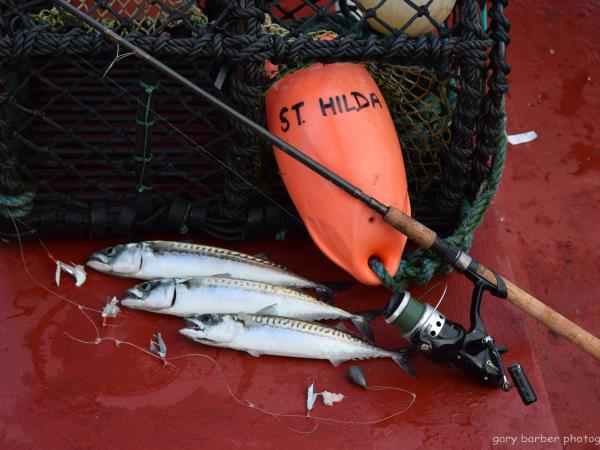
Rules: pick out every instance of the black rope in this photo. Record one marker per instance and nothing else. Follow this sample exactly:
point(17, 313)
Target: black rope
point(490, 129)
point(457, 160)
point(69, 136)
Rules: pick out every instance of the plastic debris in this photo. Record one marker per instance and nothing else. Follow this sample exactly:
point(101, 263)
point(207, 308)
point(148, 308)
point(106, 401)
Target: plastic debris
point(110, 309)
point(357, 376)
point(329, 398)
point(75, 270)
point(522, 138)
point(158, 347)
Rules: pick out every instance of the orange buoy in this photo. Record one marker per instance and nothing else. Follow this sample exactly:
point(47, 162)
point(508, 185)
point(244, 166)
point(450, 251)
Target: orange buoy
point(336, 114)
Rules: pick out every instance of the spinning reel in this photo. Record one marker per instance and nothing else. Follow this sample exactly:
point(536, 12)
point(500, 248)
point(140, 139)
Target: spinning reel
point(474, 351)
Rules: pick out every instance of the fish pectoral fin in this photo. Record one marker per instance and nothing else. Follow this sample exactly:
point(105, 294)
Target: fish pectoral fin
point(270, 310)
point(337, 362)
point(253, 353)
point(246, 319)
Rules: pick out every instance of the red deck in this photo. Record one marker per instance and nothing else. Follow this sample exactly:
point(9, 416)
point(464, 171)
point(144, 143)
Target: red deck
point(541, 232)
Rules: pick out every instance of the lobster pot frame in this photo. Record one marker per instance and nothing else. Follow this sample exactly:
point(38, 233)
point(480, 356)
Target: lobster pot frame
point(95, 143)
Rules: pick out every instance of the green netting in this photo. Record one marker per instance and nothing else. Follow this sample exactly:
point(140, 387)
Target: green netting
point(421, 104)
point(421, 265)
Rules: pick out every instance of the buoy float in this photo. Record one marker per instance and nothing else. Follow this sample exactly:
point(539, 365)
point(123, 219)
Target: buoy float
point(336, 114)
point(396, 13)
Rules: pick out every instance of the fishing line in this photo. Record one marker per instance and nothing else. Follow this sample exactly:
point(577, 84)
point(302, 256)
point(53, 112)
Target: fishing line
point(442, 297)
point(118, 343)
point(188, 138)
point(196, 144)
point(39, 283)
point(82, 308)
point(118, 58)
point(278, 416)
point(167, 361)
point(245, 404)
point(431, 289)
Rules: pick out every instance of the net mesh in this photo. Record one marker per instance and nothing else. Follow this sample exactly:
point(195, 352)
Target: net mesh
point(421, 106)
point(92, 144)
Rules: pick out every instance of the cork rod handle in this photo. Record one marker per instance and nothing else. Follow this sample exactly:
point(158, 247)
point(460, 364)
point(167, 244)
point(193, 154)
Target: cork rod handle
point(425, 238)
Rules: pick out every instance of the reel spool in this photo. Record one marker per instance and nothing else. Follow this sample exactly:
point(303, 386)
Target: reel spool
point(446, 342)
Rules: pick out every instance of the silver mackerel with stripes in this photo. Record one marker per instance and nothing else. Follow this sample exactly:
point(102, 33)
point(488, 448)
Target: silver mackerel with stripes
point(280, 336)
point(150, 260)
point(204, 295)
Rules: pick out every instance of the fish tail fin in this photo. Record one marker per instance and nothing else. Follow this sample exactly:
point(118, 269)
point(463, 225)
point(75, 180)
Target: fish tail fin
point(326, 291)
point(401, 357)
point(361, 321)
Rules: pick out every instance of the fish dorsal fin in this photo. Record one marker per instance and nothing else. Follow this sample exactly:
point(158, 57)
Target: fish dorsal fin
point(253, 353)
point(270, 310)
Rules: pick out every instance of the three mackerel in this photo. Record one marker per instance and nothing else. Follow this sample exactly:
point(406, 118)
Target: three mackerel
point(279, 336)
point(163, 259)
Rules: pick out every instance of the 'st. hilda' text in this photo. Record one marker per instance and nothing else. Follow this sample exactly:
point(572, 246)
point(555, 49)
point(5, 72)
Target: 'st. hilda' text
point(329, 106)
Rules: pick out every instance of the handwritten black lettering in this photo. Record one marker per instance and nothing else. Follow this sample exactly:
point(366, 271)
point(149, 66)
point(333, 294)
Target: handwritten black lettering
point(346, 107)
point(361, 100)
point(339, 104)
point(285, 123)
point(374, 100)
point(324, 106)
point(296, 108)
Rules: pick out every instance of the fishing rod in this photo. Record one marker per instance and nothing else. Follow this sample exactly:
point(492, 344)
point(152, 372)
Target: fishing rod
point(484, 278)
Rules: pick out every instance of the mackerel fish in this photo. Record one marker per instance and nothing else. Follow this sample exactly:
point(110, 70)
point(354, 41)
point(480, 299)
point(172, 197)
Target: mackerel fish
point(206, 295)
point(163, 259)
point(280, 336)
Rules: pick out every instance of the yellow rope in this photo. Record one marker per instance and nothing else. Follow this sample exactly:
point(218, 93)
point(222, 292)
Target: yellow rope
point(152, 17)
point(269, 27)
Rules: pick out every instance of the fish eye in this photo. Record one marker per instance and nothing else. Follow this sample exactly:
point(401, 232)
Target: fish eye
point(110, 251)
point(204, 318)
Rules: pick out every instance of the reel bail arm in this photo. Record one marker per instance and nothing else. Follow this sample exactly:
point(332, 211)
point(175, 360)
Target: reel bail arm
point(446, 342)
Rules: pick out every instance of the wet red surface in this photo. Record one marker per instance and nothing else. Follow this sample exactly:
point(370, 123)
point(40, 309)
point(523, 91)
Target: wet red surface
point(58, 391)
point(542, 232)
point(549, 201)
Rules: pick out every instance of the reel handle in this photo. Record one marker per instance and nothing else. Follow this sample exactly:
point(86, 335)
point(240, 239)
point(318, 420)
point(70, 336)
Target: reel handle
point(427, 238)
point(522, 384)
